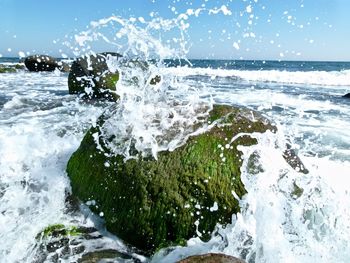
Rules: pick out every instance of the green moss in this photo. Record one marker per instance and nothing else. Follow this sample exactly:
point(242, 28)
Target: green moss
point(93, 76)
point(19, 66)
point(297, 191)
point(155, 203)
point(7, 70)
point(59, 230)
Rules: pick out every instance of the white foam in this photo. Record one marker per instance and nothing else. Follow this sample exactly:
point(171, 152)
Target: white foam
point(323, 78)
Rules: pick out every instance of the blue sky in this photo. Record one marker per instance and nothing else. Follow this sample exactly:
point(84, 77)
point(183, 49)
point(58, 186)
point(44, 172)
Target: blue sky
point(244, 29)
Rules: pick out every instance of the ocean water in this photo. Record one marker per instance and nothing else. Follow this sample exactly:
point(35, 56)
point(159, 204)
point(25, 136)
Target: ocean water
point(41, 125)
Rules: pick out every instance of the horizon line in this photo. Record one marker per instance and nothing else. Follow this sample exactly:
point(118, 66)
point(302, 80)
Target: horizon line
point(211, 59)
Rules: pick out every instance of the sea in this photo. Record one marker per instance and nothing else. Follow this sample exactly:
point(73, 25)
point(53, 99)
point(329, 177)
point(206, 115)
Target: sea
point(41, 125)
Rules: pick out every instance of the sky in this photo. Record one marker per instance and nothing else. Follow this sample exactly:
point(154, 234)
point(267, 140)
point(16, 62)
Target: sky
point(236, 29)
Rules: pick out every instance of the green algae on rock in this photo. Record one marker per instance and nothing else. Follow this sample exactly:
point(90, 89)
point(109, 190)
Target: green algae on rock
point(7, 69)
point(58, 230)
point(91, 75)
point(152, 203)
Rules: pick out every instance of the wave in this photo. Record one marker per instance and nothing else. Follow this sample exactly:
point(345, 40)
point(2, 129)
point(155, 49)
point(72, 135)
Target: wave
point(322, 78)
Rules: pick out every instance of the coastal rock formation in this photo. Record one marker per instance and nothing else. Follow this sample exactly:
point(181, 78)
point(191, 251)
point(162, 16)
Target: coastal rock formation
point(40, 63)
point(90, 75)
point(151, 203)
point(347, 96)
point(10, 68)
point(211, 258)
point(7, 69)
point(68, 242)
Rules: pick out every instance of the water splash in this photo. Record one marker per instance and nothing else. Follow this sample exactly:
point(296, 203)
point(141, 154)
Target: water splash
point(150, 116)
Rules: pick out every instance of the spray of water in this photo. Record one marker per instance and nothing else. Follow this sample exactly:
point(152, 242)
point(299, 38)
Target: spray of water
point(150, 116)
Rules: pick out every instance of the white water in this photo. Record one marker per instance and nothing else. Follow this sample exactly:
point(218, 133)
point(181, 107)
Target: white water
point(41, 126)
point(321, 78)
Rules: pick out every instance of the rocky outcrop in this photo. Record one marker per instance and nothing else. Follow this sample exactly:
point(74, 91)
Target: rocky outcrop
point(211, 258)
point(86, 244)
point(40, 63)
point(91, 75)
point(152, 203)
point(11, 68)
point(4, 69)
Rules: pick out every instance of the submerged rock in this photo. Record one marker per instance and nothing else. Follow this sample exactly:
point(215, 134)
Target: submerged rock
point(152, 203)
point(7, 69)
point(211, 258)
point(90, 75)
point(11, 68)
point(75, 244)
point(41, 63)
point(293, 160)
point(347, 96)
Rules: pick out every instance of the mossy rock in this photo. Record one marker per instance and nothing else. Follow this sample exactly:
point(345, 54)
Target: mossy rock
point(152, 203)
point(69, 243)
point(90, 75)
point(59, 230)
point(7, 69)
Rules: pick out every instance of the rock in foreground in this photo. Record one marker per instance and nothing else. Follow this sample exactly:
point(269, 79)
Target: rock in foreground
point(41, 63)
point(211, 258)
point(152, 203)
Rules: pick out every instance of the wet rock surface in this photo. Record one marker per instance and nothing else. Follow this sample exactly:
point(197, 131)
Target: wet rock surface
point(41, 63)
point(151, 203)
point(91, 75)
point(211, 258)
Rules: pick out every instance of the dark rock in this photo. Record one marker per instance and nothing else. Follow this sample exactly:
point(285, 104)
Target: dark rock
point(40, 63)
point(155, 80)
point(156, 203)
point(91, 75)
point(294, 161)
point(211, 258)
point(57, 242)
point(347, 96)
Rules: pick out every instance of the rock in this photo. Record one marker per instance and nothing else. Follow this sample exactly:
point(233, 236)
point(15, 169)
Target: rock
point(4, 69)
point(64, 66)
point(151, 203)
point(91, 75)
point(86, 243)
point(211, 258)
point(106, 254)
point(40, 63)
point(19, 66)
point(347, 96)
point(293, 160)
point(12, 68)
